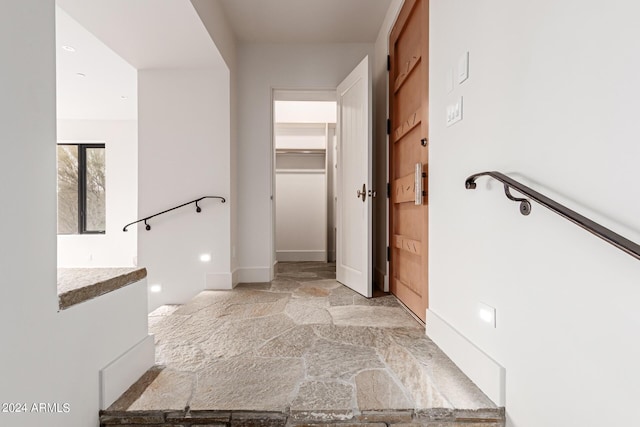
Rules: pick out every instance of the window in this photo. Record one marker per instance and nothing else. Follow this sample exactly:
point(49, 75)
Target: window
point(81, 189)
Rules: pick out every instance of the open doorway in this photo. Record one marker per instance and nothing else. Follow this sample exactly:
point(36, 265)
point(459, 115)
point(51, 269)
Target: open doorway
point(304, 179)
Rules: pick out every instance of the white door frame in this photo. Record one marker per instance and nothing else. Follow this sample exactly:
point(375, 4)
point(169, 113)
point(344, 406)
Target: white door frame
point(287, 94)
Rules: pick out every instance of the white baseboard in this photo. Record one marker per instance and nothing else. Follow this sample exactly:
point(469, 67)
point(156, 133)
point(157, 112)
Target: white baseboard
point(119, 375)
point(254, 274)
point(485, 372)
point(234, 278)
point(382, 278)
point(222, 281)
point(294, 256)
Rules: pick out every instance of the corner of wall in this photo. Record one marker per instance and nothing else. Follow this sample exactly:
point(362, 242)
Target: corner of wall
point(485, 372)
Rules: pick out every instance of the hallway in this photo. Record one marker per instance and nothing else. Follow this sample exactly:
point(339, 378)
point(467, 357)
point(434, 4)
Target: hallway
point(300, 349)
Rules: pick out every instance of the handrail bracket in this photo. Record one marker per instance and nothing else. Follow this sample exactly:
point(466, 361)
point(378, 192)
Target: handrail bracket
point(525, 205)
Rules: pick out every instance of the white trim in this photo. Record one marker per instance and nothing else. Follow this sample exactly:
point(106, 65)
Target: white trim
point(234, 278)
point(126, 369)
point(485, 372)
point(307, 255)
point(381, 274)
point(219, 281)
point(254, 274)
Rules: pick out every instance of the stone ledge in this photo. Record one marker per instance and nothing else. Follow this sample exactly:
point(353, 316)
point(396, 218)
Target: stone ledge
point(212, 418)
point(77, 285)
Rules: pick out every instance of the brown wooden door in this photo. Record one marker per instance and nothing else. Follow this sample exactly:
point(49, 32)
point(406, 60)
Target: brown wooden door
point(408, 146)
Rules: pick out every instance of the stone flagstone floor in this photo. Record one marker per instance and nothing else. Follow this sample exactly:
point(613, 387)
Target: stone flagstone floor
point(307, 347)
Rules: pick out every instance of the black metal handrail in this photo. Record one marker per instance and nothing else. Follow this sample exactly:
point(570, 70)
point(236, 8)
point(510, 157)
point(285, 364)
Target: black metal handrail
point(198, 209)
point(592, 227)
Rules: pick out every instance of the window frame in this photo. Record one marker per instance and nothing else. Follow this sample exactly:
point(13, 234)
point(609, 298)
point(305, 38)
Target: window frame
point(82, 186)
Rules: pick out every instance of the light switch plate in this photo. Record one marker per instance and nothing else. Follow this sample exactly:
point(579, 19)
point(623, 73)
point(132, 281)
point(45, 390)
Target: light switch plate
point(454, 112)
point(463, 67)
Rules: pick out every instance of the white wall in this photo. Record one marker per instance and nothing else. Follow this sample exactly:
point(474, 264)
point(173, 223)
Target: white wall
point(114, 248)
point(551, 100)
point(262, 68)
point(380, 149)
point(46, 356)
point(216, 24)
point(301, 215)
point(184, 154)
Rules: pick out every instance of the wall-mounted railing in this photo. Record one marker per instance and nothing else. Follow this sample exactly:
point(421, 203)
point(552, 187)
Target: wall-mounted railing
point(198, 209)
point(592, 227)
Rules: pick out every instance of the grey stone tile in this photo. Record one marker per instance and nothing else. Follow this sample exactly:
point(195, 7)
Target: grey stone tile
point(383, 317)
point(241, 383)
point(327, 360)
point(165, 310)
point(293, 343)
point(258, 309)
point(353, 335)
point(189, 358)
point(377, 391)
point(164, 327)
point(233, 338)
point(383, 301)
point(323, 401)
point(413, 377)
point(308, 313)
point(264, 286)
point(204, 299)
point(170, 390)
point(284, 285)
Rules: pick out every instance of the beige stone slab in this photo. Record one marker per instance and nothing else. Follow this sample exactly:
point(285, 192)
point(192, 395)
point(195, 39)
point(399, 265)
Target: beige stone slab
point(205, 299)
point(233, 338)
point(284, 285)
point(170, 390)
point(454, 385)
point(256, 384)
point(376, 390)
point(354, 335)
point(323, 401)
point(327, 360)
point(384, 301)
point(189, 358)
point(164, 327)
point(77, 285)
point(194, 330)
point(308, 313)
point(165, 310)
point(294, 343)
point(259, 309)
point(413, 377)
point(382, 317)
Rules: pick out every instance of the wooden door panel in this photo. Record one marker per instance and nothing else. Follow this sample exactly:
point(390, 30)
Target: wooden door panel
point(410, 94)
point(409, 115)
point(408, 152)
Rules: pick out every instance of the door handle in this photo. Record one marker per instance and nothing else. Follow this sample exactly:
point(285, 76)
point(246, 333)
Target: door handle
point(362, 194)
point(418, 184)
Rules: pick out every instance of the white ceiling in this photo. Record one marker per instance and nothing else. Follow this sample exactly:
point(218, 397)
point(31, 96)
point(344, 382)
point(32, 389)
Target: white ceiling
point(114, 38)
point(107, 79)
point(148, 33)
point(306, 21)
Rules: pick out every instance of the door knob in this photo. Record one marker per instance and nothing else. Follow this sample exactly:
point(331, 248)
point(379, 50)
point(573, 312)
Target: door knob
point(362, 194)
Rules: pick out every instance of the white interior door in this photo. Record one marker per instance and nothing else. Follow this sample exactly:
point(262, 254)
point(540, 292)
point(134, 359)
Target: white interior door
point(353, 249)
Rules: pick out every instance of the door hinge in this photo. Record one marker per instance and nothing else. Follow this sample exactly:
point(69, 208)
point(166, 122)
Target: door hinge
point(388, 190)
point(388, 126)
point(388, 253)
point(388, 62)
